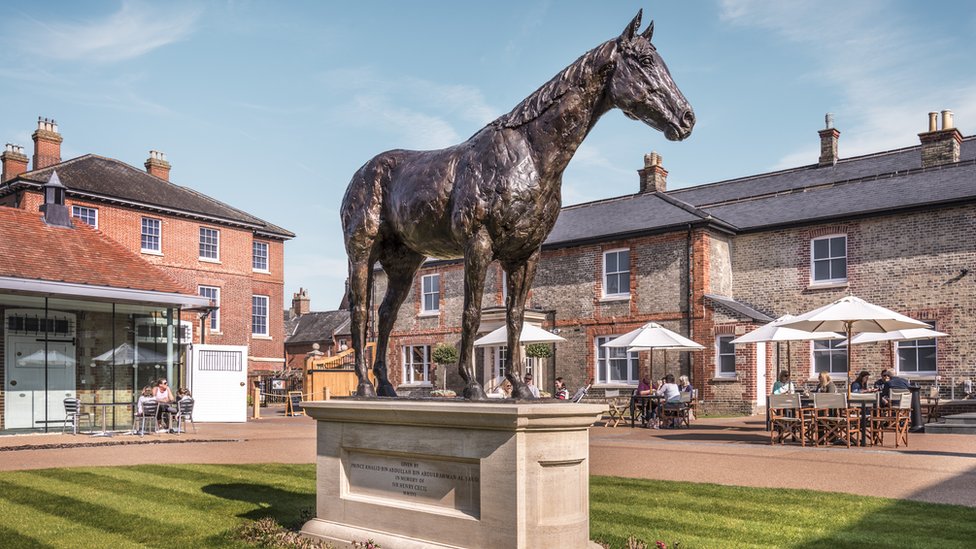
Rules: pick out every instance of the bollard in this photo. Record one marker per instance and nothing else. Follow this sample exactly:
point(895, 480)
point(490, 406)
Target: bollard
point(256, 409)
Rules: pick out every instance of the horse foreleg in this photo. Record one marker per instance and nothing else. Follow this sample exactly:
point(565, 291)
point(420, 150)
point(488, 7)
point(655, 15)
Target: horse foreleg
point(360, 284)
point(400, 265)
point(477, 256)
point(520, 276)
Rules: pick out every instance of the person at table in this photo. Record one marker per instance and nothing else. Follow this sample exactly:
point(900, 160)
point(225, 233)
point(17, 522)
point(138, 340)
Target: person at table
point(783, 385)
point(669, 390)
point(860, 384)
point(164, 396)
point(532, 388)
point(144, 397)
point(684, 384)
point(890, 381)
point(824, 385)
point(644, 387)
point(562, 393)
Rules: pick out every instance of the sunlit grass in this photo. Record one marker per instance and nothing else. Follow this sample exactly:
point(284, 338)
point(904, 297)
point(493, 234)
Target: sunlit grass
point(170, 506)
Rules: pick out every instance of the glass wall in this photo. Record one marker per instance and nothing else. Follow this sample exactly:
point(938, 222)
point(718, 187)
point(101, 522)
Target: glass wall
point(101, 353)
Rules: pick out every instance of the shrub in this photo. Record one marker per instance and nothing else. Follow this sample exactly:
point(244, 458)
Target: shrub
point(538, 350)
point(445, 354)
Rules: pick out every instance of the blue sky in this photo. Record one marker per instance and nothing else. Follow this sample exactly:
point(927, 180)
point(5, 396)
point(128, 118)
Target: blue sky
point(271, 106)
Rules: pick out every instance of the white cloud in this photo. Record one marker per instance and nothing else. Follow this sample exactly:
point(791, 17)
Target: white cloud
point(134, 30)
point(881, 63)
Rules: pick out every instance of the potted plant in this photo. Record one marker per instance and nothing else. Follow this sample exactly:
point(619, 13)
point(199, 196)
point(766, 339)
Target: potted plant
point(442, 355)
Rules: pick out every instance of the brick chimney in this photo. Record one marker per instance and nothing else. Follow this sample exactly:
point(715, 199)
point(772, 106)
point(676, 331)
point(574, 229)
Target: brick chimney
point(300, 303)
point(47, 144)
point(14, 162)
point(653, 178)
point(940, 146)
point(828, 142)
point(157, 165)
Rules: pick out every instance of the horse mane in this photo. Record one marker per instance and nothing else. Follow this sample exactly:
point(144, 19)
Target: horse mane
point(579, 71)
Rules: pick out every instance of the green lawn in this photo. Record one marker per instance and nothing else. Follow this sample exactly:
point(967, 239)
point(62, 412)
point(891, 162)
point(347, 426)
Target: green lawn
point(202, 505)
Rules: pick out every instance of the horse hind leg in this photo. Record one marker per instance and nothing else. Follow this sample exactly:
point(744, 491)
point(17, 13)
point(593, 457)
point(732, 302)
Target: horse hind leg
point(360, 289)
point(520, 275)
point(400, 265)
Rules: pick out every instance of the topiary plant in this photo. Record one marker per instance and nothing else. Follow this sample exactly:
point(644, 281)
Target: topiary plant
point(445, 354)
point(538, 350)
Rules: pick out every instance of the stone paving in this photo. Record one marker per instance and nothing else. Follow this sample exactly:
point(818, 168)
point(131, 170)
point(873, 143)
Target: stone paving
point(936, 468)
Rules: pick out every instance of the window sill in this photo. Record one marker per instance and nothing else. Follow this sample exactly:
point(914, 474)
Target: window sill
point(209, 260)
point(263, 337)
point(614, 298)
point(261, 271)
point(615, 385)
point(827, 285)
point(152, 252)
point(923, 376)
point(428, 314)
point(725, 379)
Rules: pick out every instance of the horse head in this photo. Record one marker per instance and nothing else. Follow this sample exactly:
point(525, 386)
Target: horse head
point(641, 86)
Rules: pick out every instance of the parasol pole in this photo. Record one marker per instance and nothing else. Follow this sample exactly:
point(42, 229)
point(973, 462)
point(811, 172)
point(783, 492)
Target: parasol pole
point(789, 360)
point(849, 325)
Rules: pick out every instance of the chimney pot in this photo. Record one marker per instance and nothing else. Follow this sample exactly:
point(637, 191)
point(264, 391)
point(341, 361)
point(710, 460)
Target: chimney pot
point(47, 144)
point(947, 120)
point(157, 165)
point(933, 121)
point(940, 146)
point(653, 178)
point(14, 161)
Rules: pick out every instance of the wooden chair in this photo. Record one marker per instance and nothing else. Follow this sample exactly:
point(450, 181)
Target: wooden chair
point(788, 418)
point(615, 408)
point(835, 419)
point(930, 406)
point(676, 413)
point(896, 419)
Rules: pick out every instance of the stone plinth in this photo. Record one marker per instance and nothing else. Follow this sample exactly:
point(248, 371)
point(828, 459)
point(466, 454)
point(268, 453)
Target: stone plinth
point(418, 474)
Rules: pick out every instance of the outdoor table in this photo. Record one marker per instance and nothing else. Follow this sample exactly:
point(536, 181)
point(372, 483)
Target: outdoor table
point(104, 406)
point(642, 403)
point(866, 400)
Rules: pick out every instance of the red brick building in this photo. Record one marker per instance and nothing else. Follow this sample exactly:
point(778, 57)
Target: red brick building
point(714, 261)
point(216, 250)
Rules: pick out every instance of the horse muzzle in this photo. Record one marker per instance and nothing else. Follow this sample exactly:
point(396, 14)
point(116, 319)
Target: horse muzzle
point(681, 130)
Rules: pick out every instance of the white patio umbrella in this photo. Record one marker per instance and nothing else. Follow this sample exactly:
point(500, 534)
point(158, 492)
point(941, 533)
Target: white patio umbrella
point(776, 332)
point(892, 337)
point(652, 336)
point(530, 334)
point(39, 358)
point(127, 354)
point(852, 315)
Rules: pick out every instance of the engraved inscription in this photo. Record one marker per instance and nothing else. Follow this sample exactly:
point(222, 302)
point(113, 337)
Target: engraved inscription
point(415, 480)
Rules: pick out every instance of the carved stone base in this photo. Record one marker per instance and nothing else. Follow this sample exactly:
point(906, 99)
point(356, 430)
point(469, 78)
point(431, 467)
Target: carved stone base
point(413, 474)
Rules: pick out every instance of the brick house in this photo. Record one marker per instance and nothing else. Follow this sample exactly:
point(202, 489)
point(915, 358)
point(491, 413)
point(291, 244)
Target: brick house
point(227, 255)
point(327, 329)
point(714, 261)
point(72, 301)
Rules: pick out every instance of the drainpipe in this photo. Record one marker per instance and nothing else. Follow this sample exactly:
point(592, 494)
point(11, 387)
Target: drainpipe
point(690, 298)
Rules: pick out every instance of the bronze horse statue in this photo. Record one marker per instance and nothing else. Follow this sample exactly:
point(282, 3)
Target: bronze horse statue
point(494, 197)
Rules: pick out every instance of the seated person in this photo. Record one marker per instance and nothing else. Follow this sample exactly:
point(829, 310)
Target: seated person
point(504, 389)
point(824, 385)
point(684, 384)
point(532, 388)
point(891, 381)
point(146, 396)
point(644, 387)
point(164, 396)
point(860, 384)
point(561, 393)
point(783, 385)
point(669, 390)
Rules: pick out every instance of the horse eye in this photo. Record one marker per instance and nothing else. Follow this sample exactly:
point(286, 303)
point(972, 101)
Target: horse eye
point(648, 61)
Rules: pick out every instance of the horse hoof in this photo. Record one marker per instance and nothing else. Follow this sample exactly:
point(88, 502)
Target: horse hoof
point(386, 390)
point(522, 392)
point(365, 389)
point(474, 392)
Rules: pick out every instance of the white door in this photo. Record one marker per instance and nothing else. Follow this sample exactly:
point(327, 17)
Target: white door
point(217, 379)
point(761, 377)
point(24, 381)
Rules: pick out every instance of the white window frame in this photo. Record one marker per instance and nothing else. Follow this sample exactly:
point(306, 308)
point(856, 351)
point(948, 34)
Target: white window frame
point(214, 297)
point(913, 345)
point(158, 236)
point(254, 256)
point(434, 294)
point(602, 353)
point(719, 355)
point(215, 244)
point(255, 315)
point(504, 287)
point(76, 212)
point(607, 274)
point(833, 350)
point(408, 365)
point(829, 259)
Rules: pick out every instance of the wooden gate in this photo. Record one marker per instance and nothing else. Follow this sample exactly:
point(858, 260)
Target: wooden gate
point(335, 373)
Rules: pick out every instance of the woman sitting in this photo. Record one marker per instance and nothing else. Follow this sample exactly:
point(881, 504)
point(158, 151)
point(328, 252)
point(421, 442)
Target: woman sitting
point(824, 385)
point(860, 384)
point(783, 385)
point(684, 384)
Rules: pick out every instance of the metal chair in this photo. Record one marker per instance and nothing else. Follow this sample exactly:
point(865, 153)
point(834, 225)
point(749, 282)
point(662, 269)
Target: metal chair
point(787, 417)
point(184, 413)
point(73, 415)
point(149, 410)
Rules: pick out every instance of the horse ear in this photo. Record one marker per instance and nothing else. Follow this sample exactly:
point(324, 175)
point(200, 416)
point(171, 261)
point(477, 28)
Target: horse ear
point(649, 32)
point(631, 29)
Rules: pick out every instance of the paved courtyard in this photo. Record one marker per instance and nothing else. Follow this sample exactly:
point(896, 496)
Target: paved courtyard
point(935, 468)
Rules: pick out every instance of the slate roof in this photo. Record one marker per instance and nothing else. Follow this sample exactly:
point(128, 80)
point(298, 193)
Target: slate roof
point(33, 250)
point(113, 180)
point(865, 185)
point(739, 308)
point(317, 326)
